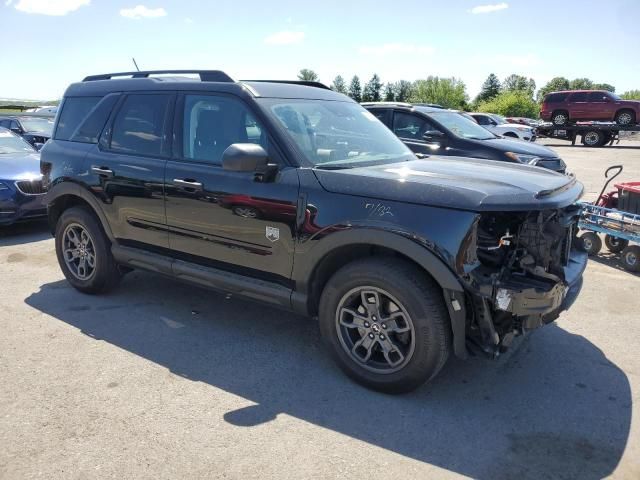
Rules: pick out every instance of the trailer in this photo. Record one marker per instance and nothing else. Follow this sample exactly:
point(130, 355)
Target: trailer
point(592, 134)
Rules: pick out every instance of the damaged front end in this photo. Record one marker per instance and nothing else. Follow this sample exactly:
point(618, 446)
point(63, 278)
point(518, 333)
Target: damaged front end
point(525, 272)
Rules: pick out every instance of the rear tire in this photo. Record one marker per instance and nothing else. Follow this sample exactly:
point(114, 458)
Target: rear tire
point(591, 243)
point(630, 258)
point(593, 138)
point(560, 118)
point(385, 324)
point(84, 252)
point(615, 245)
point(625, 118)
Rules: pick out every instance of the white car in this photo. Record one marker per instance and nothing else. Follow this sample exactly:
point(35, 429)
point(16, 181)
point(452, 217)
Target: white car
point(499, 125)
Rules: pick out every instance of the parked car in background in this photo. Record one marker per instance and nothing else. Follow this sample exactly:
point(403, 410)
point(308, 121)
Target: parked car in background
point(524, 121)
point(20, 180)
point(33, 128)
point(295, 195)
point(564, 107)
point(46, 109)
point(434, 131)
point(501, 126)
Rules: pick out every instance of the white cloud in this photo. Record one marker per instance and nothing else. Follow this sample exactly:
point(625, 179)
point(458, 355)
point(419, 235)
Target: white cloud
point(285, 37)
point(396, 49)
point(8, 2)
point(49, 7)
point(489, 8)
point(140, 11)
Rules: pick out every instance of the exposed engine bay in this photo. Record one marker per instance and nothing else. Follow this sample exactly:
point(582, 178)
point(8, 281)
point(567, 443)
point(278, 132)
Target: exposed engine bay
point(523, 275)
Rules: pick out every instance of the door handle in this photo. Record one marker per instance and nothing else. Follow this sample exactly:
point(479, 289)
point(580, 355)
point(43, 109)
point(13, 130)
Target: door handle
point(102, 171)
point(188, 184)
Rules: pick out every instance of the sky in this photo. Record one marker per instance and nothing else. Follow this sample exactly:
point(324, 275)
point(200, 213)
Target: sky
point(50, 44)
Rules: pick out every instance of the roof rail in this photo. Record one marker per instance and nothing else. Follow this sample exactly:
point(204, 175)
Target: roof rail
point(306, 83)
point(397, 104)
point(205, 75)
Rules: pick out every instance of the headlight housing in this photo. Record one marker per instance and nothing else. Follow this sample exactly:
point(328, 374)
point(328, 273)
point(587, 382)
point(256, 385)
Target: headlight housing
point(523, 158)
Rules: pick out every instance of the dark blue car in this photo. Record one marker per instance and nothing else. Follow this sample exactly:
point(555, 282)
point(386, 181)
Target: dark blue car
point(20, 180)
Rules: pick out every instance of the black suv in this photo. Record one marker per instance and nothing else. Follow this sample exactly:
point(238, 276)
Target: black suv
point(435, 131)
point(296, 196)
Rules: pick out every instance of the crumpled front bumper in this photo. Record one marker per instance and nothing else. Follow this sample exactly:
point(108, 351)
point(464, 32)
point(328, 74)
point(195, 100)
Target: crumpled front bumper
point(540, 302)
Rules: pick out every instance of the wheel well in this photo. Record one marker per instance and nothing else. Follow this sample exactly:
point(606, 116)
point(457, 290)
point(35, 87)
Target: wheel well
point(625, 110)
point(340, 257)
point(62, 203)
point(510, 134)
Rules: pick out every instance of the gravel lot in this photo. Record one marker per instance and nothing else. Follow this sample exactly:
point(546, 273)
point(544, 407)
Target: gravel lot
point(162, 380)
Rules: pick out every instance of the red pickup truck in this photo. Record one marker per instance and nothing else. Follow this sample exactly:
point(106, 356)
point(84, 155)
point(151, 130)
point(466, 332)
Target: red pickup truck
point(582, 105)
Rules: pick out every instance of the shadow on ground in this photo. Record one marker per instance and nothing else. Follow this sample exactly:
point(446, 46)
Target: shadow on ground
point(578, 144)
point(26, 232)
point(611, 260)
point(556, 407)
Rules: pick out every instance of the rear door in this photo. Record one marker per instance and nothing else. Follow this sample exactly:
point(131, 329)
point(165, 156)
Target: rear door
point(126, 169)
point(579, 106)
point(229, 220)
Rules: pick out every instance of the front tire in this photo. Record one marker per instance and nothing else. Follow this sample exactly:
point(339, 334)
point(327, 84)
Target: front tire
point(625, 118)
point(84, 252)
point(385, 323)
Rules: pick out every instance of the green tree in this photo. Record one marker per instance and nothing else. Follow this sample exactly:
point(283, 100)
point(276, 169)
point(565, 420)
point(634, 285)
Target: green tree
point(554, 85)
point(355, 90)
point(389, 93)
point(372, 89)
point(339, 85)
point(519, 83)
point(448, 92)
point(604, 86)
point(580, 84)
point(403, 90)
point(631, 95)
point(490, 88)
point(307, 75)
point(512, 104)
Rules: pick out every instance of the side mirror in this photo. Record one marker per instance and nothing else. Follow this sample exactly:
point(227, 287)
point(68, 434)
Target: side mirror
point(17, 130)
point(248, 157)
point(433, 136)
point(606, 99)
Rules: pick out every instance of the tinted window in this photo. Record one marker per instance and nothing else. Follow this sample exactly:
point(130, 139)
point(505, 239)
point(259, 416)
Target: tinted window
point(140, 125)
point(482, 119)
point(5, 123)
point(212, 123)
point(597, 97)
point(556, 97)
point(91, 127)
point(381, 115)
point(74, 111)
point(15, 125)
point(406, 125)
point(578, 97)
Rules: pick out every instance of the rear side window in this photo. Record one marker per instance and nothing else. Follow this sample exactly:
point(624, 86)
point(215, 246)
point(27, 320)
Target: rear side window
point(579, 97)
point(140, 125)
point(90, 129)
point(556, 97)
point(74, 111)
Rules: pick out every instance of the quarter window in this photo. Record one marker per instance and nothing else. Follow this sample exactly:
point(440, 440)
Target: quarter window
point(74, 111)
point(211, 124)
point(140, 125)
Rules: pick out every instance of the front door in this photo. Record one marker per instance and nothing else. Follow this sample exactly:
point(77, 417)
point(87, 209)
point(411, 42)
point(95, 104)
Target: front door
point(410, 128)
point(229, 220)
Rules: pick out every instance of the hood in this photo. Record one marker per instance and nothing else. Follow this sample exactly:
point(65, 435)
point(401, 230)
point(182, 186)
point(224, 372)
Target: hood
point(518, 146)
point(19, 166)
point(515, 125)
point(458, 183)
point(630, 103)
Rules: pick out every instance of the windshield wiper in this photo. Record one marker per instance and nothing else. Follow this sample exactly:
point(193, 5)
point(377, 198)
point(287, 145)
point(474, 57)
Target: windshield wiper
point(333, 167)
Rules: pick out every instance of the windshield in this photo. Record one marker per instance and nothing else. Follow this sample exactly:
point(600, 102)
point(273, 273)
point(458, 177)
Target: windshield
point(338, 134)
point(10, 143)
point(40, 125)
point(461, 126)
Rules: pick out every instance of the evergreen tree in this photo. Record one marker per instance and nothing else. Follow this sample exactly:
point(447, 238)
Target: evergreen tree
point(355, 90)
point(490, 88)
point(403, 90)
point(307, 75)
point(389, 93)
point(372, 89)
point(339, 85)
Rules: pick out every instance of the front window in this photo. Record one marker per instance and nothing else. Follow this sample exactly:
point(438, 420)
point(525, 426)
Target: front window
point(340, 134)
point(617, 98)
point(461, 126)
point(499, 118)
point(38, 125)
point(10, 143)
